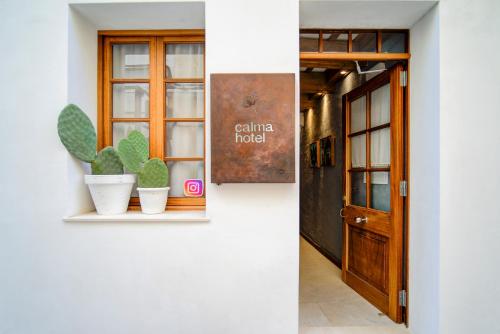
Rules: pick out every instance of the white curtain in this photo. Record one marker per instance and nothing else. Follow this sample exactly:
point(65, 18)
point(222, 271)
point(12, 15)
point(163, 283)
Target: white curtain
point(122, 129)
point(380, 106)
point(185, 100)
point(184, 60)
point(131, 61)
point(358, 114)
point(380, 151)
point(131, 100)
point(185, 139)
point(358, 151)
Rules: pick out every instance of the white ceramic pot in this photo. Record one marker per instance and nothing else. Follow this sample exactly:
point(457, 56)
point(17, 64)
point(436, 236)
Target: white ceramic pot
point(110, 193)
point(153, 200)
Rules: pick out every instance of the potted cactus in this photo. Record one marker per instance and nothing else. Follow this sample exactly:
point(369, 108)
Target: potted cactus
point(152, 174)
point(109, 187)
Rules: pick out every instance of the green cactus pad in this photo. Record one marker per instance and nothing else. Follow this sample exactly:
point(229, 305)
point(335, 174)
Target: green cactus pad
point(107, 163)
point(77, 133)
point(129, 156)
point(140, 144)
point(154, 174)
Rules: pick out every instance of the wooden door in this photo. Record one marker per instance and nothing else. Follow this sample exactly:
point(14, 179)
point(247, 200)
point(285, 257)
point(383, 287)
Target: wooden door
point(373, 213)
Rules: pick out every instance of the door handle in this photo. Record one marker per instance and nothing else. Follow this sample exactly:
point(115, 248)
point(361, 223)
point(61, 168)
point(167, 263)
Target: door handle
point(360, 220)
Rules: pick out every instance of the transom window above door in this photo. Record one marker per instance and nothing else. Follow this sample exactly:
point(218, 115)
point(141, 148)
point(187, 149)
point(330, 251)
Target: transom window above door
point(328, 41)
point(155, 83)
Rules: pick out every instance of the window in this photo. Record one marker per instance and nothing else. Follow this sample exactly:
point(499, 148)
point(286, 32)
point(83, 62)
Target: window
point(324, 41)
point(369, 135)
point(155, 83)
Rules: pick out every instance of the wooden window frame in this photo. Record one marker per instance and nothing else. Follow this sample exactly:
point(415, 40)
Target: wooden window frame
point(157, 40)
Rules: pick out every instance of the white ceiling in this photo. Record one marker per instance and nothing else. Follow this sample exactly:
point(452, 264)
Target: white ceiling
point(166, 15)
point(362, 14)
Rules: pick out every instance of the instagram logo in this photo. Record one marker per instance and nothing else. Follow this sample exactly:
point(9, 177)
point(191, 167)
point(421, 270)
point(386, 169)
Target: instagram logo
point(193, 188)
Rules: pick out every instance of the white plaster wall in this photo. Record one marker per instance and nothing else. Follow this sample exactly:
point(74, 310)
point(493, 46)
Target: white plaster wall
point(236, 274)
point(256, 226)
point(469, 182)
point(424, 175)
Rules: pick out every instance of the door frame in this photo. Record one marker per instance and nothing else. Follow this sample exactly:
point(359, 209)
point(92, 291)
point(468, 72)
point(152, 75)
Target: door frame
point(404, 57)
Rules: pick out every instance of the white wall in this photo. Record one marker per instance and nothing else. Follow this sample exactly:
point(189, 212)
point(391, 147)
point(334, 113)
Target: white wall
point(236, 274)
point(256, 226)
point(424, 175)
point(469, 182)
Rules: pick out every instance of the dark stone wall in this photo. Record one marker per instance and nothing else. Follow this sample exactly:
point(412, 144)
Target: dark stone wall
point(321, 188)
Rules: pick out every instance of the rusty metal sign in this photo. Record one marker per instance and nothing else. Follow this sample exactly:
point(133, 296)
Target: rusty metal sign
point(253, 128)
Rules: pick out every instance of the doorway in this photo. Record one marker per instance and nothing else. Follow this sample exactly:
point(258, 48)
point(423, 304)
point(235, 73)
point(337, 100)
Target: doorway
point(353, 139)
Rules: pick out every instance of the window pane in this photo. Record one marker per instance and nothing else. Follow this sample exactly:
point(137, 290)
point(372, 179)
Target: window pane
point(180, 171)
point(380, 106)
point(131, 100)
point(309, 42)
point(122, 129)
point(184, 60)
point(185, 139)
point(380, 151)
point(358, 188)
point(335, 41)
point(131, 61)
point(358, 114)
point(358, 151)
point(364, 42)
point(185, 100)
point(394, 42)
point(380, 191)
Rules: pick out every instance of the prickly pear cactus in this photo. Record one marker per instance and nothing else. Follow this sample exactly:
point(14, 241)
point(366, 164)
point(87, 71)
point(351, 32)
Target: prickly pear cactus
point(131, 158)
point(154, 174)
point(77, 133)
point(140, 144)
point(107, 163)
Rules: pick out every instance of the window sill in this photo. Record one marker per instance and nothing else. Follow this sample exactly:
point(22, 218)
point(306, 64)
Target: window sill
point(137, 216)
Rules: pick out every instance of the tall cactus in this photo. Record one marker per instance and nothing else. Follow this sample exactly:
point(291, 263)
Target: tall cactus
point(134, 153)
point(79, 137)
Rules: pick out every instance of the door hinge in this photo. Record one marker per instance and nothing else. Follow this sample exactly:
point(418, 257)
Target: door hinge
point(403, 78)
point(402, 298)
point(403, 188)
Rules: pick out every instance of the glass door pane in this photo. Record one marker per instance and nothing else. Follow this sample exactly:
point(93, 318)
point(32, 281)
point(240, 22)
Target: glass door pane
point(358, 114)
point(358, 188)
point(380, 191)
point(380, 106)
point(380, 148)
point(358, 151)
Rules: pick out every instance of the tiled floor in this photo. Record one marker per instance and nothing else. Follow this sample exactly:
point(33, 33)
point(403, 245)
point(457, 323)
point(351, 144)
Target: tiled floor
point(328, 306)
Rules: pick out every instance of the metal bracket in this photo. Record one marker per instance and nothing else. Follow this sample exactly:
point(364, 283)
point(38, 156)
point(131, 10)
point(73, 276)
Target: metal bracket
point(402, 298)
point(403, 78)
point(403, 188)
